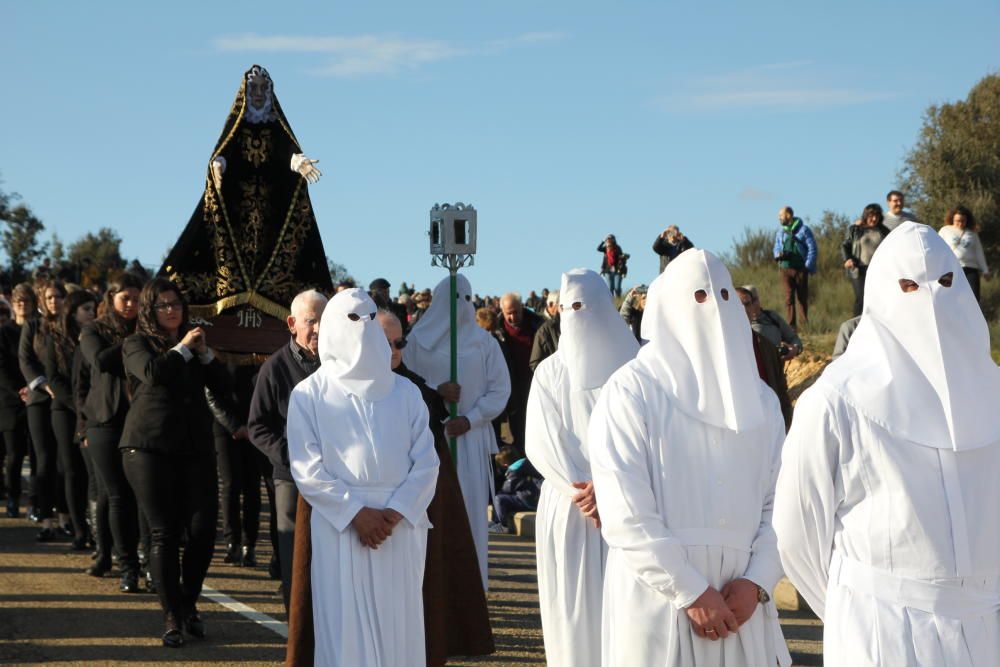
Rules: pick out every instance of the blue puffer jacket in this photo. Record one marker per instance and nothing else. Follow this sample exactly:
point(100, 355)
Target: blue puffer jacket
point(804, 241)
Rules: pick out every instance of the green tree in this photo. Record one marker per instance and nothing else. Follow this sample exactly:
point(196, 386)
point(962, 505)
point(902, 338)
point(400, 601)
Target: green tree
point(19, 238)
point(96, 255)
point(956, 160)
point(338, 272)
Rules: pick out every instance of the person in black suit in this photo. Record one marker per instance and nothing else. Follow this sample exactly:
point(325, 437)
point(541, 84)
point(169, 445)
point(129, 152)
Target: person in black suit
point(13, 393)
point(169, 455)
point(77, 310)
point(31, 348)
point(106, 405)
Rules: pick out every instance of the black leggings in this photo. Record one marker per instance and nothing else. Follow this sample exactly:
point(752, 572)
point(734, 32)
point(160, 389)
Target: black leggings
point(240, 471)
point(100, 524)
point(122, 514)
point(46, 459)
point(16, 443)
point(178, 494)
point(74, 470)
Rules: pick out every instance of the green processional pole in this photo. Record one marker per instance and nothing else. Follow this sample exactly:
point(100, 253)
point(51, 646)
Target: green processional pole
point(453, 246)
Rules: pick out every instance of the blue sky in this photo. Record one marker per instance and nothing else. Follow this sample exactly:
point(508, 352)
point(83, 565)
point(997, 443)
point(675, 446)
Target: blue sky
point(559, 121)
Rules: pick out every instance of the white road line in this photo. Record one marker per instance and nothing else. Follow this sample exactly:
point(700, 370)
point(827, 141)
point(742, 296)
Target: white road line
point(246, 611)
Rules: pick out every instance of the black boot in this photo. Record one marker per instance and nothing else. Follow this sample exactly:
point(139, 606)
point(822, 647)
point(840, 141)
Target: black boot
point(172, 637)
point(274, 569)
point(150, 584)
point(100, 567)
point(193, 625)
point(129, 582)
point(249, 559)
point(13, 509)
point(232, 554)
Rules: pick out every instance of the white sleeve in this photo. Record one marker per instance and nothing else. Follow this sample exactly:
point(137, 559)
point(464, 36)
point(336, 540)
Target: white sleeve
point(630, 519)
point(807, 497)
point(489, 406)
point(413, 496)
point(764, 568)
point(544, 432)
point(984, 268)
point(297, 160)
point(328, 495)
point(221, 161)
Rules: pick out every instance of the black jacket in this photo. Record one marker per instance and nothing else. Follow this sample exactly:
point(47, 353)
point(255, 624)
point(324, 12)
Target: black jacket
point(60, 378)
point(520, 378)
point(81, 387)
point(546, 342)
point(106, 403)
point(29, 359)
point(522, 480)
point(668, 251)
point(232, 411)
point(169, 413)
point(269, 406)
point(11, 378)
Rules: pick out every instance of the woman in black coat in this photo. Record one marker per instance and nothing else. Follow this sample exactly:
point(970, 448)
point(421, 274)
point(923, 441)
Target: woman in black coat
point(106, 405)
point(169, 455)
point(13, 393)
point(78, 309)
point(31, 348)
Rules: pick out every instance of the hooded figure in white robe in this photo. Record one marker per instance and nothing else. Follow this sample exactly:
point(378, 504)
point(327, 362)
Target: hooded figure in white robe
point(685, 443)
point(485, 383)
point(888, 504)
point(362, 455)
point(595, 342)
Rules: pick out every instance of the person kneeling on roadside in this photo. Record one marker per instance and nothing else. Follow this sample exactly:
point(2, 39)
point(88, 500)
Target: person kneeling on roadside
point(520, 491)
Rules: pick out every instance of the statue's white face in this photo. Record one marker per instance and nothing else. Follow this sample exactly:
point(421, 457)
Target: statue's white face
point(258, 91)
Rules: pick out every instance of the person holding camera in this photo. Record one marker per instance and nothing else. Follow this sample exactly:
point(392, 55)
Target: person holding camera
point(614, 263)
point(168, 449)
point(670, 243)
point(770, 324)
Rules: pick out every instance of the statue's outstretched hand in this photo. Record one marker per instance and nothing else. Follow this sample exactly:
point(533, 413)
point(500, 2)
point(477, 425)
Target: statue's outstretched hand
point(307, 168)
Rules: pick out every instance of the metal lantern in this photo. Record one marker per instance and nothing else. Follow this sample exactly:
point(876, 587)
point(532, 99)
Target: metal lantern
point(453, 246)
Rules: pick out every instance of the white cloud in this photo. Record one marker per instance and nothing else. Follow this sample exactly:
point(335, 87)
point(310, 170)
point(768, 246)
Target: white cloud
point(751, 193)
point(362, 55)
point(787, 86)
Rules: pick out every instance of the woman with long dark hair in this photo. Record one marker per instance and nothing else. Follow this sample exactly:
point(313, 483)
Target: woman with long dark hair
point(78, 309)
point(34, 339)
point(13, 392)
point(106, 406)
point(168, 450)
point(863, 237)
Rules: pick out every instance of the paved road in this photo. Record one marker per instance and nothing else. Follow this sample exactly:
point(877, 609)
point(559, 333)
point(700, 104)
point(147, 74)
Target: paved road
point(51, 613)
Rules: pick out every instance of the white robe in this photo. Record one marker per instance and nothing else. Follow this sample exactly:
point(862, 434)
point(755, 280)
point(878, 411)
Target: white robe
point(347, 453)
point(683, 505)
point(571, 553)
point(850, 492)
point(485, 382)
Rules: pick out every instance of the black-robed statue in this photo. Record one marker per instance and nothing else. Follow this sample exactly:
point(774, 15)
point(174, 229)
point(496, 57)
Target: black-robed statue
point(252, 243)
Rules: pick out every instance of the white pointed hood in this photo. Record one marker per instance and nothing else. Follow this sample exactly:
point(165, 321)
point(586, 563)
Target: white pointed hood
point(355, 351)
point(594, 340)
point(702, 352)
point(433, 328)
point(919, 363)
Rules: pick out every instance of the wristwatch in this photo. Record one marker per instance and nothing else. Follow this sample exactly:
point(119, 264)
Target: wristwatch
point(762, 596)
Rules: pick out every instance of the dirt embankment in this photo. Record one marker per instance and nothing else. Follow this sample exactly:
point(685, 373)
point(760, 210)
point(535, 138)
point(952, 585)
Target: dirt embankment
point(802, 371)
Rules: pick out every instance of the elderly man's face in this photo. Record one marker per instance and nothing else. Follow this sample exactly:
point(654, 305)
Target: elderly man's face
point(304, 325)
point(784, 216)
point(513, 312)
point(750, 305)
point(394, 334)
point(552, 307)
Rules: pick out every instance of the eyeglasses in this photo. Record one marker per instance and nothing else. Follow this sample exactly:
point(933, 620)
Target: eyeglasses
point(399, 343)
point(354, 317)
point(164, 306)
